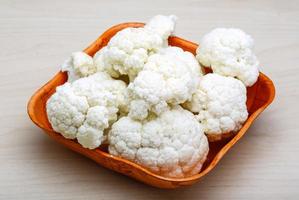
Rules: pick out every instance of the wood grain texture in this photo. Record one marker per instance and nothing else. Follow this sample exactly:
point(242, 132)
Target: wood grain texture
point(37, 36)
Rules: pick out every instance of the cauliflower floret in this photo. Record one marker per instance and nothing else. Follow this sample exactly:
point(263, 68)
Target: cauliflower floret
point(163, 25)
point(91, 133)
point(169, 77)
point(229, 52)
point(173, 144)
point(66, 111)
point(101, 89)
point(78, 65)
point(128, 51)
point(139, 109)
point(85, 108)
point(221, 105)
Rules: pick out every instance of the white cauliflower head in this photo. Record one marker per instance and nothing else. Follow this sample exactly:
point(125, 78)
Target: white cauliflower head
point(84, 108)
point(163, 25)
point(128, 51)
point(101, 89)
point(229, 52)
point(78, 65)
point(66, 111)
point(91, 133)
point(170, 76)
point(221, 105)
point(172, 145)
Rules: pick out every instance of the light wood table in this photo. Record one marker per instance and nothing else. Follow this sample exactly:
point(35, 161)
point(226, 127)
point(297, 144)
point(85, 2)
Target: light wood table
point(36, 36)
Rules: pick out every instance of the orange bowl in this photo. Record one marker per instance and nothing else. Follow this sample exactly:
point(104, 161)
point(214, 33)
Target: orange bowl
point(259, 96)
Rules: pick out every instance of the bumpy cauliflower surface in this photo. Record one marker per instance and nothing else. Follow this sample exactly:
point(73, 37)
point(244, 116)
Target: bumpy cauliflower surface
point(78, 65)
point(128, 51)
point(144, 122)
point(170, 76)
point(221, 105)
point(229, 52)
point(84, 108)
point(173, 144)
point(163, 25)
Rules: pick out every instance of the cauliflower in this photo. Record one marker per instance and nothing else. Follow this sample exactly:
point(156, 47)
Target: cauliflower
point(91, 133)
point(169, 77)
point(66, 111)
point(173, 144)
point(84, 108)
point(229, 52)
point(221, 105)
point(163, 25)
point(78, 65)
point(128, 51)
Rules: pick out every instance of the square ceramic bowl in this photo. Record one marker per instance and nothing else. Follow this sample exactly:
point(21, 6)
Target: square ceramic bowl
point(259, 96)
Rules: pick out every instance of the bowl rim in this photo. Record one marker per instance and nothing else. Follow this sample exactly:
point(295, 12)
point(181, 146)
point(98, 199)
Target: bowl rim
point(90, 50)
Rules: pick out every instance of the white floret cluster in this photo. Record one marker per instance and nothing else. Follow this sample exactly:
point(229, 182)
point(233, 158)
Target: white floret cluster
point(165, 145)
point(220, 104)
point(166, 113)
point(84, 108)
point(170, 77)
point(78, 65)
point(229, 52)
point(128, 51)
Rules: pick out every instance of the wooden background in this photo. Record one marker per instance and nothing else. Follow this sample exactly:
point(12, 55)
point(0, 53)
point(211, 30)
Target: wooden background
point(36, 36)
